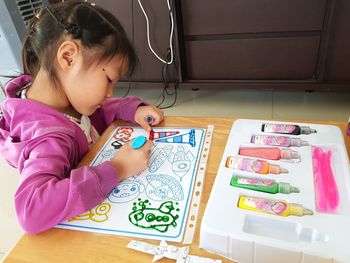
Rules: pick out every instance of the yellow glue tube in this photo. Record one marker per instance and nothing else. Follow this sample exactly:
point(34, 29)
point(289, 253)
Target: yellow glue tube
point(271, 206)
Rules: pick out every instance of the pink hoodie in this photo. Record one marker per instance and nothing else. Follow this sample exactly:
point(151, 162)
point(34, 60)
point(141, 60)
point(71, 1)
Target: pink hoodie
point(45, 147)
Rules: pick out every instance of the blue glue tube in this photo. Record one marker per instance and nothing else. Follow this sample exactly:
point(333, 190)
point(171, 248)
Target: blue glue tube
point(138, 142)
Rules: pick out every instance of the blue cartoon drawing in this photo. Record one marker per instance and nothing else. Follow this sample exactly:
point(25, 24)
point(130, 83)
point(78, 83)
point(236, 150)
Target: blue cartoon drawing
point(126, 191)
point(158, 157)
point(163, 187)
point(181, 161)
point(107, 155)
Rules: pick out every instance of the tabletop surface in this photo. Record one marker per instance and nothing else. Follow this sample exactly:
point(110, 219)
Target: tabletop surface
point(62, 245)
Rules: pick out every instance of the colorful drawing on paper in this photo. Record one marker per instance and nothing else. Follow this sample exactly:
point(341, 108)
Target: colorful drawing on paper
point(160, 218)
point(98, 214)
point(158, 157)
point(126, 191)
point(155, 203)
point(163, 187)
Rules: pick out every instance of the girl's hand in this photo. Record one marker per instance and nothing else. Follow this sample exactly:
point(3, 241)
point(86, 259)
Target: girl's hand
point(151, 112)
point(129, 161)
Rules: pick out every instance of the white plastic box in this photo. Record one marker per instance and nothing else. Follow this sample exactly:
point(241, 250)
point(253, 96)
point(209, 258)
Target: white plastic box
point(253, 237)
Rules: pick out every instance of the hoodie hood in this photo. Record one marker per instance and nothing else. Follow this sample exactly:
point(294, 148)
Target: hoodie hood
point(24, 123)
point(14, 85)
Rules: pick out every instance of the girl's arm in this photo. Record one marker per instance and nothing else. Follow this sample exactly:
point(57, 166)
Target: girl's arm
point(50, 191)
point(116, 108)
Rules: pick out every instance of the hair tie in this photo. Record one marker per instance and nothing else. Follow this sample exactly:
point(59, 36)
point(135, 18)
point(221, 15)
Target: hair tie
point(71, 28)
point(29, 49)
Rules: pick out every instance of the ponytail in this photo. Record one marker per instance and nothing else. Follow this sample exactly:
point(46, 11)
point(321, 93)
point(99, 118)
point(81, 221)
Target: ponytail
point(30, 58)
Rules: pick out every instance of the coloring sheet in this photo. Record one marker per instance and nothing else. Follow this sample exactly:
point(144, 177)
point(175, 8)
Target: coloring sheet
point(155, 203)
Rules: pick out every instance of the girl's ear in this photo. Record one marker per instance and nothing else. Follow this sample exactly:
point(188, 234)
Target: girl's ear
point(67, 54)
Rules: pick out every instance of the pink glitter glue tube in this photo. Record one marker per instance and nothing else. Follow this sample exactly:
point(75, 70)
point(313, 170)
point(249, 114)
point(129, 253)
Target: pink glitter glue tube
point(271, 153)
point(326, 191)
point(273, 140)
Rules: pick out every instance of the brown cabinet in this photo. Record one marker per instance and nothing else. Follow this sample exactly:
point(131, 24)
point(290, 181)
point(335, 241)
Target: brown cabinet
point(251, 59)
point(252, 40)
point(251, 16)
point(338, 58)
point(270, 44)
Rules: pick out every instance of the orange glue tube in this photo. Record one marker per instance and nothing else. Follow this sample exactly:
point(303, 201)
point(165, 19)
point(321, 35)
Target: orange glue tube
point(271, 153)
point(272, 207)
point(253, 165)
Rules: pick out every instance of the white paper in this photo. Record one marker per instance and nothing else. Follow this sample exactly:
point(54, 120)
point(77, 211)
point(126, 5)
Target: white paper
point(155, 203)
point(180, 254)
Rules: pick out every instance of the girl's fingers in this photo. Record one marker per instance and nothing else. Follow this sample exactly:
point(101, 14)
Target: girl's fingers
point(145, 126)
point(148, 145)
point(148, 116)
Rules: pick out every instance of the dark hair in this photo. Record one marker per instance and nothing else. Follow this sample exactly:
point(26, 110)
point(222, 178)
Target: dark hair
point(94, 26)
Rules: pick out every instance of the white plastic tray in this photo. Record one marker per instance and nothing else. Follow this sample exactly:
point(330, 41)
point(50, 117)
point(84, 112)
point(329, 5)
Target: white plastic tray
point(248, 236)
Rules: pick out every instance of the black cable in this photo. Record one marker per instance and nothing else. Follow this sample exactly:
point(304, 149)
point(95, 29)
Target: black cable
point(176, 85)
point(165, 75)
point(166, 86)
point(128, 90)
point(165, 82)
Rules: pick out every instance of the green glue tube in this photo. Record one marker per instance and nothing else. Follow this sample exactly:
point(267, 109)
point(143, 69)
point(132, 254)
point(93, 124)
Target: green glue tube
point(266, 186)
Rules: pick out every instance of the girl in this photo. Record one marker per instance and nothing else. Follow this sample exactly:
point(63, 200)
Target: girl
point(73, 55)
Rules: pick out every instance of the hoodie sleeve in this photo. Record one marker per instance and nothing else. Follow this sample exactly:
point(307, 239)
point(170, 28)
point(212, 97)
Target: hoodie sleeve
point(50, 191)
point(116, 108)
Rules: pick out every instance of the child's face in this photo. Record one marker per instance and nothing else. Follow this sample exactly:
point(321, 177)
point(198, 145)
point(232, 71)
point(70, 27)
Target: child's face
point(87, 88)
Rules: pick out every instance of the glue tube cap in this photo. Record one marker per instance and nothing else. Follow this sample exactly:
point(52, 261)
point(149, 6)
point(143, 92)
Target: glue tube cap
point(286, 188)
point(306, 130)
point(288, 154)
point(299, 210)
point(298, 142)
point(276, 169)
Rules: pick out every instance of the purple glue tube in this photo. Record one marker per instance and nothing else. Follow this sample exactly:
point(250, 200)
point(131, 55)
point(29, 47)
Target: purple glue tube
point(283, 141)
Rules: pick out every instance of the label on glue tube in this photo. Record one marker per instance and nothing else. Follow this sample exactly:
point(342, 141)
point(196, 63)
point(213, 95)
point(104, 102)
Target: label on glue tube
point(271, 140)
point(284, 141)
point(255, 182)
point(279, 128)
point(263, 205)
point(247, 164)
